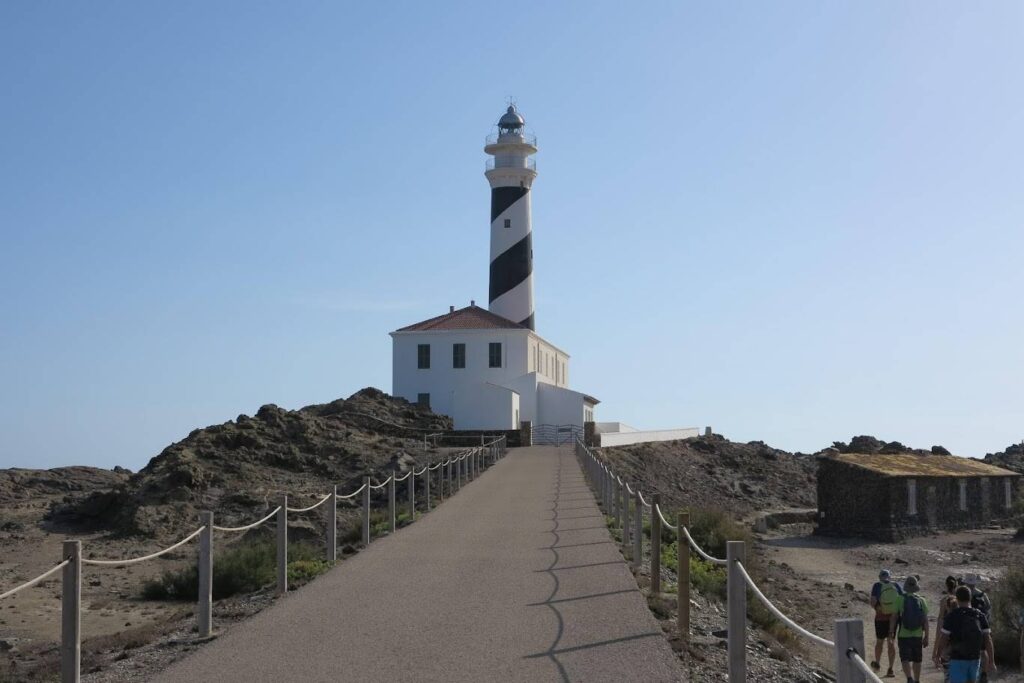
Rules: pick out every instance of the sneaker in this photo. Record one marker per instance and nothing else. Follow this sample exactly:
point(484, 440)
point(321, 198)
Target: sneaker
point(875, 666)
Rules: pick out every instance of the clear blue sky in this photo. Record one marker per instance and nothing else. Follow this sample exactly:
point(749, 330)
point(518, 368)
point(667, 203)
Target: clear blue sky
point(794, 221)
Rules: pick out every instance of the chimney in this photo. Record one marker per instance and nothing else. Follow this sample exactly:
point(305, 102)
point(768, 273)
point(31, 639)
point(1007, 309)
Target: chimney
point(472, 302)
point(451, 309)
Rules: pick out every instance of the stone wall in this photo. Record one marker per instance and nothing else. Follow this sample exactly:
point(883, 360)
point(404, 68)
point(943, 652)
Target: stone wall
point(855, 501)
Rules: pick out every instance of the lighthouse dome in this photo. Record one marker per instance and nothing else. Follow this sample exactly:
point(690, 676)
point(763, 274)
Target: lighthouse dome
point(511, 118)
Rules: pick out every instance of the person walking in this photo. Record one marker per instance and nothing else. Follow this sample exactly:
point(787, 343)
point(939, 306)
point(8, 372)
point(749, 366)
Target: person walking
point(980, 602)
point(911, 622)
point(947, 603)
point(885, 596)
point(967, 631)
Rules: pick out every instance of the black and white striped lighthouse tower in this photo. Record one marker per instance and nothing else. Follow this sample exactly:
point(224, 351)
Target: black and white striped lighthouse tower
point(511, 173)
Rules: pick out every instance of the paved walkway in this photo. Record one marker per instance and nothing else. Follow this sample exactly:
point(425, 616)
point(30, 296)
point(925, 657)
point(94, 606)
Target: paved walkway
point(513, 579)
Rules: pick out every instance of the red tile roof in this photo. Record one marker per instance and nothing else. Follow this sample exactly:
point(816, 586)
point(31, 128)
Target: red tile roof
point(468, 318)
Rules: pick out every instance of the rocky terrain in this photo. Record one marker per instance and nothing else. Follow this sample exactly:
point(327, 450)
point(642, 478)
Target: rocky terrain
point(239, 467)
point(813, 580)
point(712, 472)
point(236, 468)
point(1012, 458)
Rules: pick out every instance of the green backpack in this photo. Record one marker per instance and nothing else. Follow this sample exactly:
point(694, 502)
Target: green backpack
point(888, 598)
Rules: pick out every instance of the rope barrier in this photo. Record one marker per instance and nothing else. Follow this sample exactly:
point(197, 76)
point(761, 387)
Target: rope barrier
point(862, 665)
point(313, 506)
point(354, 493)
point(700, 551)
point(630, 489)
point(407, 475)
point(644, 501)
point(416, 474)
point(664, 522)
point(778, 614)
point(32, 582)
point(135, 560)
point(247, 526)
point(435, 466)
point(380, 485)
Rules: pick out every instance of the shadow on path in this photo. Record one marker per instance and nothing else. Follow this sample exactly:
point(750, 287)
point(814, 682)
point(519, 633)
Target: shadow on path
point(553, 601)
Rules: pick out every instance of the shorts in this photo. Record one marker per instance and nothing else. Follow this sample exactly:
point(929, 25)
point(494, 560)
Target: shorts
point(911, 649)
point(881, 629)
point(964, 670)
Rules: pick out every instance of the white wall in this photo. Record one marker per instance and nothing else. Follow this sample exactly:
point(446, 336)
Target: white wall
point(485, 406)
point(558, 406)
point(627, 438)
point(603, 427)
point(441, 380)
point(549, 362)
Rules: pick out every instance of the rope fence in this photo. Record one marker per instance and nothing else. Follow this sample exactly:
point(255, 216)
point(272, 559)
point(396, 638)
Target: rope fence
point(626, 507)
point(247, 526)
point(32, 582)
point(453, 475)
point(151, 556)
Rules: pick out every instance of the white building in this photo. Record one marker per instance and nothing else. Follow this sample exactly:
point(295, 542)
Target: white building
point(478, 366)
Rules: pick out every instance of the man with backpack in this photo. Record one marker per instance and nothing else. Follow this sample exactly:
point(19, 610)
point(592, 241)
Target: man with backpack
point(911, 617)
point(967, 631)
point(947, 603)
point(980, 602)
point(885, 596)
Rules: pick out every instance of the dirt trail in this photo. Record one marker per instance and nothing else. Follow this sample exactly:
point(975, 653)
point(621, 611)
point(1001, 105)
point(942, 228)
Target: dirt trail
point(834, 564)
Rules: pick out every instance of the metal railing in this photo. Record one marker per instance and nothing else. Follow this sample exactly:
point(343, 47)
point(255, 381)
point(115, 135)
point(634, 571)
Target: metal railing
point(627, 507)
point(555, 435)
point(495, 162)
point(452, 474)
point(528, 138)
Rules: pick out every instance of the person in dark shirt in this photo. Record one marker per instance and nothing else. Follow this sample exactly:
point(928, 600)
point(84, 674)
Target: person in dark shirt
point(969, 636)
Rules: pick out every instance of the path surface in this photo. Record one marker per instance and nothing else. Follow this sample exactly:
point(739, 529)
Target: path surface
point(513, 579)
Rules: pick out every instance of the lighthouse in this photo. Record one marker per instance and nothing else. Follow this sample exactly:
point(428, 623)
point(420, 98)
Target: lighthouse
point(487, 367)
point(510, 173)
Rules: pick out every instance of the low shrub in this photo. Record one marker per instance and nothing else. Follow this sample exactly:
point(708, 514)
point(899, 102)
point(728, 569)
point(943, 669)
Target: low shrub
point(1008, 616)
point(242, 569)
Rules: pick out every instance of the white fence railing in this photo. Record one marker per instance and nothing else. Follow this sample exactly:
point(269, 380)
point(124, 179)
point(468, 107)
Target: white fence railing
point(627, 507)
point(452, 474)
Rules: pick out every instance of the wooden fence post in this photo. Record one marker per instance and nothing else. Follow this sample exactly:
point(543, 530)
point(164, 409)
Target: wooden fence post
point(426, 479)
point(736, 589)
point(391, 502)
point(366, 511)
point(71, 613)
point(625, 519)
point(412, 494)
point(638, 530)
point(282, 544)
point(204, 618)
point(332, 526)
point(683, 575)
point(849, 635)
point(655, 545)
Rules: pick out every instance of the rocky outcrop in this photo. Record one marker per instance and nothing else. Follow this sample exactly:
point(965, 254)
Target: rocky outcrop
point(239, 467)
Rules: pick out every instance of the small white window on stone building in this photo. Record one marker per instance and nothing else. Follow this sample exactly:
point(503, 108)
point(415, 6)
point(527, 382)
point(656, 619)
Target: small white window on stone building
point(911, 497)
point(963, 495)
point(1008, 488)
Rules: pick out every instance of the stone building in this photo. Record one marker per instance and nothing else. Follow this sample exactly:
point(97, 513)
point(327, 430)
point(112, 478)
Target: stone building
point(888, 497)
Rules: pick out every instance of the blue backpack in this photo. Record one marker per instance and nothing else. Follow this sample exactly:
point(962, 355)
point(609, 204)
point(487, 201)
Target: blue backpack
point(913, 616)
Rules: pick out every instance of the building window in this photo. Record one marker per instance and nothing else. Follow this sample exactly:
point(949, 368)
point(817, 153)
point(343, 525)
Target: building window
point(423, 356)
point(911, 497)
point(458, 355)
point(508, 222)
point(423, 400)
point(1008, 488)
point(494, 355)
point(963, 495)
